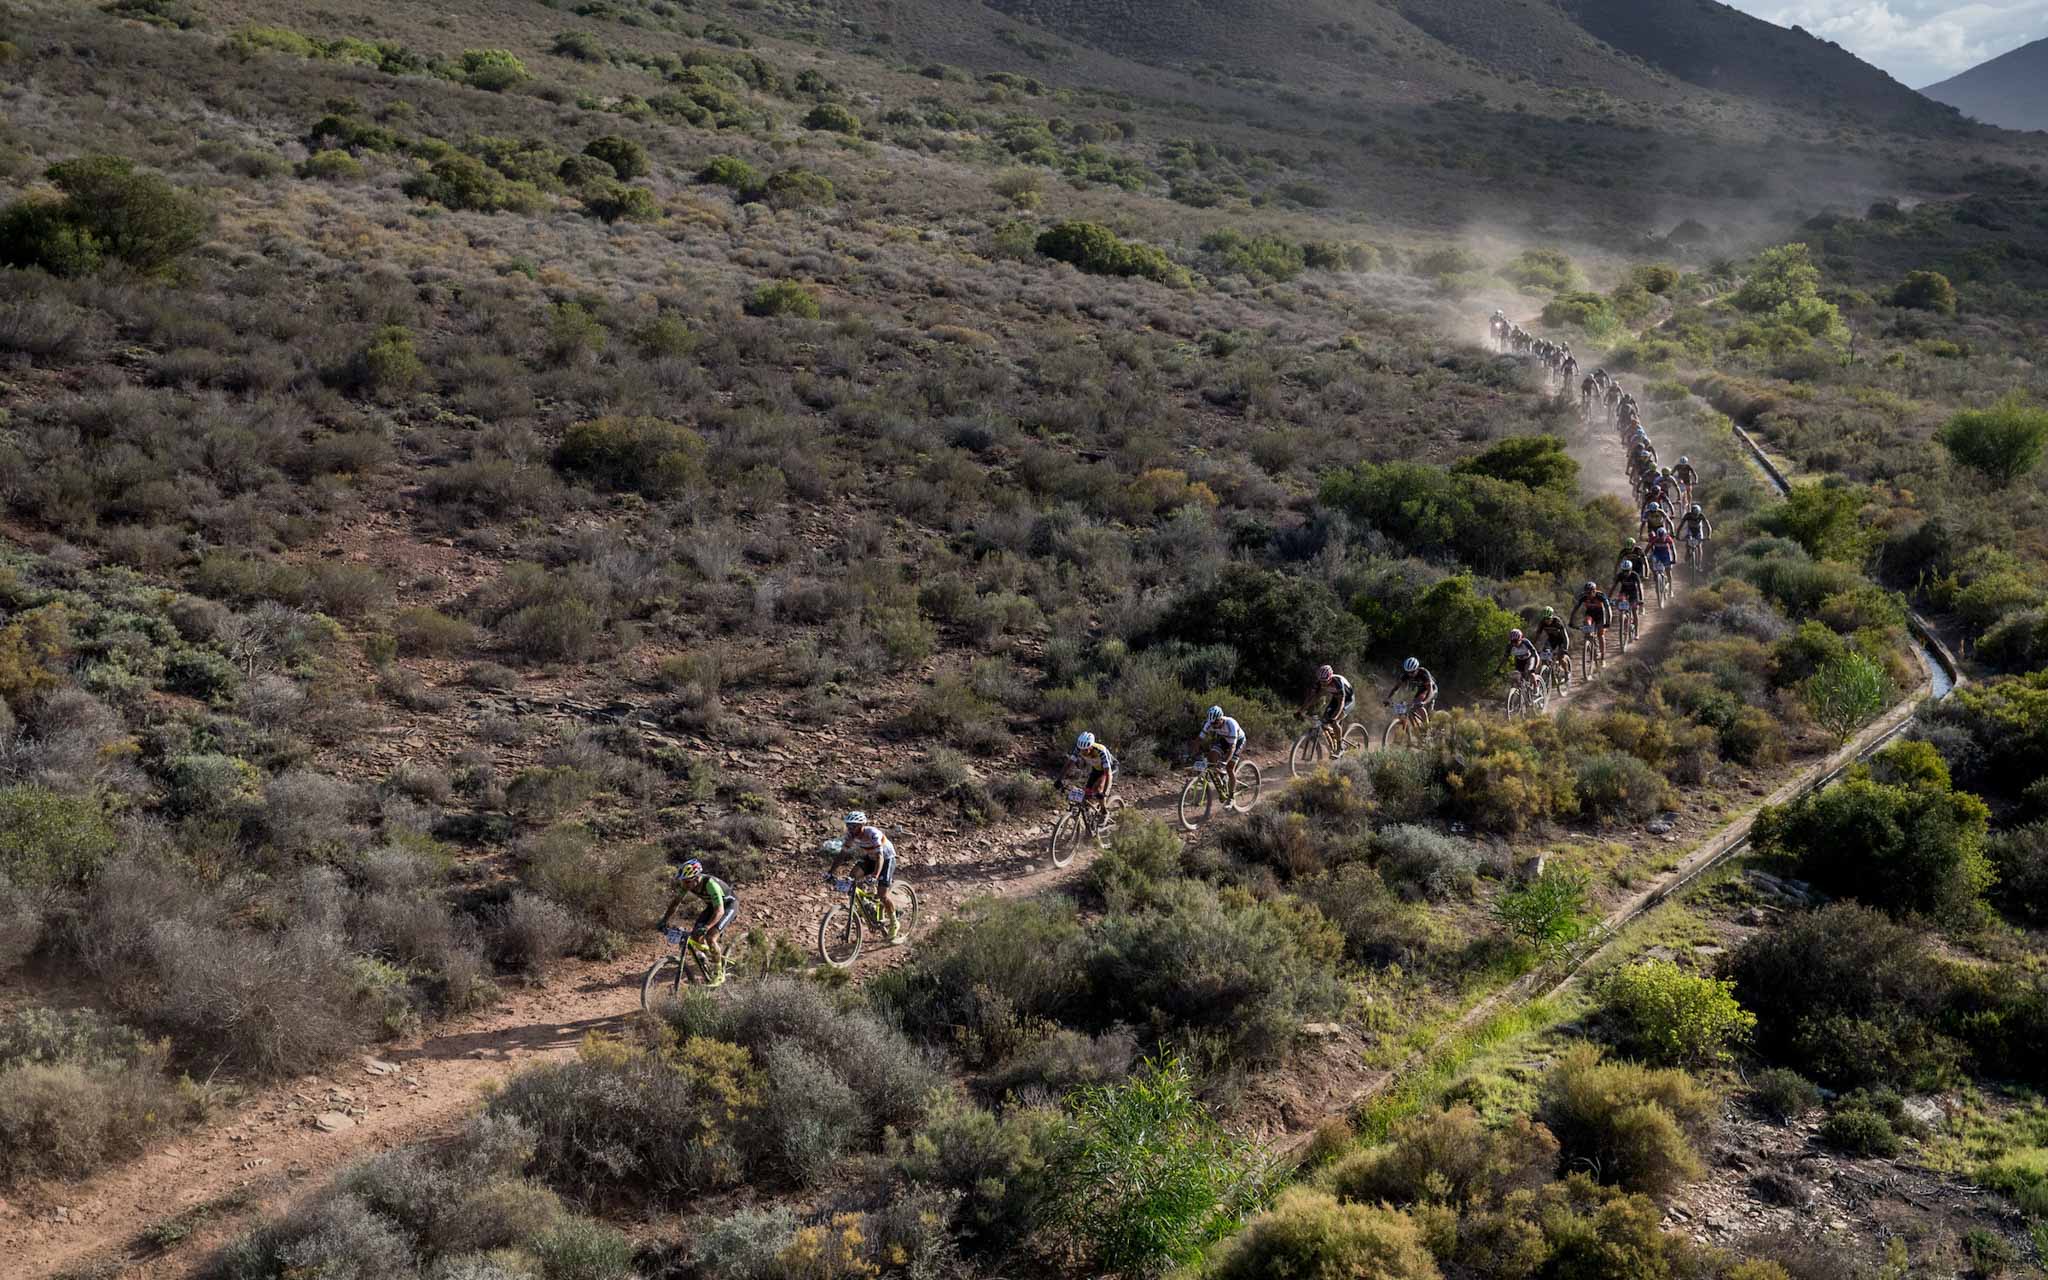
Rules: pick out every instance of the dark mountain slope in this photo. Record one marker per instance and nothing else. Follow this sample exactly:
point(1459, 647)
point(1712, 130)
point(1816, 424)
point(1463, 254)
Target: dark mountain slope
point(2010, 91)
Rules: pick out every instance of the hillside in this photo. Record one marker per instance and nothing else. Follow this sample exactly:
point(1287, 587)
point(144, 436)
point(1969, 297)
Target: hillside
point(460, 462)
point(2010, 91)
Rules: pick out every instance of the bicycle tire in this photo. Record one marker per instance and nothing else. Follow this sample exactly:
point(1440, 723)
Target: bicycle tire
point(1196, 796)
point(1356, 738)
point(1065, 838)
point(1109, 824)
point(1399, 728)
point(1308, 751)
point(840, 935)
point(906, 908)
point(1244, 797)
point(652, 991)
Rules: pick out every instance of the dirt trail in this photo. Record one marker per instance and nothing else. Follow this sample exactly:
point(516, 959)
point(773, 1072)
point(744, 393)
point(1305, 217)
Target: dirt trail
point(269, 1147)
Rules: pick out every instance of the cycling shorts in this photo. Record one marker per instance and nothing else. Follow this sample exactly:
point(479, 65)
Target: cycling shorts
point(1662, 555)
point(704, 921)
point(1338, 707)
point(882, 867)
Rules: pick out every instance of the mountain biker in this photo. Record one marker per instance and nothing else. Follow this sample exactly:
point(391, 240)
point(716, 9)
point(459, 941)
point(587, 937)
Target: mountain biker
point(1522, 652)
point(1629, 551)
point(1695, 528)
point(721, 904)
point(1552, 636)
point(1568, 370)
point(1415, 676)
point(1221, 743)
point(1586, 389)
point(1688, 477)
point(1593, 603)
point(1665, 486)
point(1335, 693)
point(1100, 763)
point(877, 857)
point(1628, 587)
point(1655, 517)
point(1663, 551)
point(1600, 380)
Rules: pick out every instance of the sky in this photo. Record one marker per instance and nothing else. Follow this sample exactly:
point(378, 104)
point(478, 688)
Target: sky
point(1918, 41)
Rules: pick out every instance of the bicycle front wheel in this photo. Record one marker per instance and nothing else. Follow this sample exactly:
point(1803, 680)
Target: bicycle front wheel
point(1356, 738)
point(1309, 750)
point(663, 984)
point(1517, 703)
point(1247, 793)
point(1066, 837)
point(1398, 733)
point(1196, 799)
point(839, 936)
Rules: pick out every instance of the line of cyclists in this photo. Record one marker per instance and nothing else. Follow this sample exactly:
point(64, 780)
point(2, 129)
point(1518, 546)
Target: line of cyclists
point(1668, 514)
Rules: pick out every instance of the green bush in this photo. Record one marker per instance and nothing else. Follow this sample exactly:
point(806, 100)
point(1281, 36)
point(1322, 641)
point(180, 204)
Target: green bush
point(1310, 1234)
point(1915, 845)
point(1097, 250)
point(1502, 777)
point(1550, 912)
point(1615, 784)
point(1636, 1126)
point(580, 45)
point(389, 367)
point(465, 182)
point(2017, 642)
point(783, 298)
point(1586, 311)
point(108, 210)
point(1256, 257)
point(637, 455)
point(331, 166)
point(1860, 1132)
point(1236, 611)
point(1994, 732)
point(1534, 462)
point(2002, 443)
point(610, 201)
point(1668, 1016)
point(1449, 1157)
point(1142, 1179)
point(2020, 857)
point(493, 69)
point(1783, 1095)
point(77, 1090)
point(51, 839)
point(1847, 997)
point(1543, 271)
point(1846, 693)
point(1926, 291)
point(729, 171)
point(830, 117)
point(425, 632)
point(613, 884)
point(995, 1163)
point(795, 189)
point(627, 158)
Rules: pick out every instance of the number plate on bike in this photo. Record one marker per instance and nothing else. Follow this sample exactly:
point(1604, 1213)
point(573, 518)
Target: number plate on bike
point(842, 886)
point(1076, 796)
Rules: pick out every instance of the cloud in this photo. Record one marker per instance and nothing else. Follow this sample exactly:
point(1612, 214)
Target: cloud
point(1918, 41)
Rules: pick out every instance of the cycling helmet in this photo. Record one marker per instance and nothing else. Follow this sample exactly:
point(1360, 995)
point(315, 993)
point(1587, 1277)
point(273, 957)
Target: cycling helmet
point(1695, 509)
point(1515, 636)
point(1213, 713)
point(856, 819)
point(1592, 586)
point(1411, 666)
point(690, 870)
point(1631, 542)
point(1084, 742)
point(1549, 612)
point(1684, 461)
point(1325, 671)
point(1628, 566)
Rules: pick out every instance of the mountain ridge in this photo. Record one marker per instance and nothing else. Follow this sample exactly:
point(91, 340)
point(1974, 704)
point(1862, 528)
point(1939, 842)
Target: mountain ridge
point(2010, 90)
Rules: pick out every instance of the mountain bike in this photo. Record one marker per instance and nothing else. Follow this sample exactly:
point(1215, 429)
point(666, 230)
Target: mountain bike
point(1624, 624)
point(1696, 556)
point(1591, 657)
point(1661, 573)
point(1325, 742)
point(664, 982)
point(1556, 673)
point(1198, 798)
point(1527, 698)
point(843, 928)
point(1096, 821)
point(1408, 728)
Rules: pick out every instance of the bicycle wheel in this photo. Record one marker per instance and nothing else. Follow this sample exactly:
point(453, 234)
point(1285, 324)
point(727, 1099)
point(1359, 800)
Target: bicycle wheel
point(1517, 702)
point(1247, 794)
point(1398, 733)
point(905, 894)
point(663, 984)
point(1356, 738)
point(1196, 799)
point(1066, 837)
point(1308, 751)
point(839, 936)
point(1108, 827)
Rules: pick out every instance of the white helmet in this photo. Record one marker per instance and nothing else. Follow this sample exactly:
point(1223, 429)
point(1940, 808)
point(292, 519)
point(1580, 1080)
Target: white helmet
point(1212, 714)
point(857, 819)
point(1628, 566)
point(1684, 461)
point(1695, 509)
point(1411, 666)
point(1084, 742)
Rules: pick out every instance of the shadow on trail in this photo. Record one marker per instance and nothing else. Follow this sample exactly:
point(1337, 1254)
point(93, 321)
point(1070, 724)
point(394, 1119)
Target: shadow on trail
point(502, 1044)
